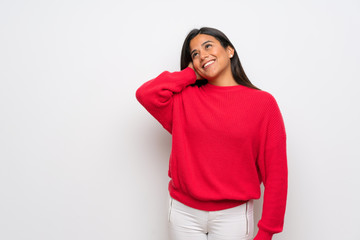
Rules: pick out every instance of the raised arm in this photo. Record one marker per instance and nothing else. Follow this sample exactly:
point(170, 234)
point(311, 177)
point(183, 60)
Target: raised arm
point(157, 94)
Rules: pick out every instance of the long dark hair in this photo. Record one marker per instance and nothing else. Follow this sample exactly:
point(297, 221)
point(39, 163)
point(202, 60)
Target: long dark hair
point(236, 68)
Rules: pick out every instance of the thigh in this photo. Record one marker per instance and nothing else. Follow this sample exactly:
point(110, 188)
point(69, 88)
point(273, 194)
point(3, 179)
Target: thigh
point(186, 223)
point(233, 224)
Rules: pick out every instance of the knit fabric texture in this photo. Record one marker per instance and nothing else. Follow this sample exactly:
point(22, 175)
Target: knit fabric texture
point(226, 141)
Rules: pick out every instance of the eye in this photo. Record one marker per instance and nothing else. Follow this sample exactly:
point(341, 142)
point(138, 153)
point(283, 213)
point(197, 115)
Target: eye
point(208, 45)
point(194, 55)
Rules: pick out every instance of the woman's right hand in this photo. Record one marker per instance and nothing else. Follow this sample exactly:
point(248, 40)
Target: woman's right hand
point(198, 77)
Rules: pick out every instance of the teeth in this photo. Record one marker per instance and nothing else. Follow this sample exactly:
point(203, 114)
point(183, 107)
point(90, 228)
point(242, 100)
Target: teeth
point(208, 63)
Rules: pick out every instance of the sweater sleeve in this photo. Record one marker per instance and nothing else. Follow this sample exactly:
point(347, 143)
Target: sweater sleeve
point(157, 94)
point(272, 164)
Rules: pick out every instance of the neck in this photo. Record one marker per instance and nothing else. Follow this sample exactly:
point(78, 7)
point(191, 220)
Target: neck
point(224, 80)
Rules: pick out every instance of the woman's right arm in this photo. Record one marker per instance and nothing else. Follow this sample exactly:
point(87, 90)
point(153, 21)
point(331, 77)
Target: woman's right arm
point(156, 95)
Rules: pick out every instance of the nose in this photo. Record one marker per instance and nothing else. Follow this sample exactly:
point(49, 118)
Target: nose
point(203, 55)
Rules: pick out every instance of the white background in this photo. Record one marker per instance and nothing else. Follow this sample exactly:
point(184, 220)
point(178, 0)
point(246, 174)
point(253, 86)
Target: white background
point(81, 159)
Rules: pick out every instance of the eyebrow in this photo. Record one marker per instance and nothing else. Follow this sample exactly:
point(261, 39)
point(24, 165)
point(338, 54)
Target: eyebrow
point(201, 45)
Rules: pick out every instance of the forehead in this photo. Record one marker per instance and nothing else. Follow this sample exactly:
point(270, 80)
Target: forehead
point(196, 42)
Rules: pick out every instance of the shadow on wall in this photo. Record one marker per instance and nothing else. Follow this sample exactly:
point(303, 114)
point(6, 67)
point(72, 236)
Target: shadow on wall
point(258, 204)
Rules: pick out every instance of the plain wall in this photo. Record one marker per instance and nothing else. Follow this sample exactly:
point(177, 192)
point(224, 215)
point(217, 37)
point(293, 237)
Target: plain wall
point(81, 159)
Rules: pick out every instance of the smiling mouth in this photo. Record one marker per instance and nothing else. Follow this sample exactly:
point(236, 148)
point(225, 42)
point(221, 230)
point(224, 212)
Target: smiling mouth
point(206, 65)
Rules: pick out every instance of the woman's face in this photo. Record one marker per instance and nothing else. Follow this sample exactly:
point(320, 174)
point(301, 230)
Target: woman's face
point(210, 59)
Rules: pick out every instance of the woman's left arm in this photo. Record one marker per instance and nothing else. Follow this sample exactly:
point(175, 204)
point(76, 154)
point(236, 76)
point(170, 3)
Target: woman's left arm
point(272, 164)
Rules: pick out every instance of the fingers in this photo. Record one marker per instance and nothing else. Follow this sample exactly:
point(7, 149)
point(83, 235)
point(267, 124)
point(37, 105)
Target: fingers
point(191, 65)
point(198, 77)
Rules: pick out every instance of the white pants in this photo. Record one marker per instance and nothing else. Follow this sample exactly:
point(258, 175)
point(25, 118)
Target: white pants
point(186, 223)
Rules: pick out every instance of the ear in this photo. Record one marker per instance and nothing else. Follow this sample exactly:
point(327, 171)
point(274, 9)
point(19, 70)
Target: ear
point(230, 51)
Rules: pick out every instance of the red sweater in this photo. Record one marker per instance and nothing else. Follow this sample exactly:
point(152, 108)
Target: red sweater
point(225, 142)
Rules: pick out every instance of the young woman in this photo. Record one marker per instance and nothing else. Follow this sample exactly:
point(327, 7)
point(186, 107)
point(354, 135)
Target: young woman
point(228, 137)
